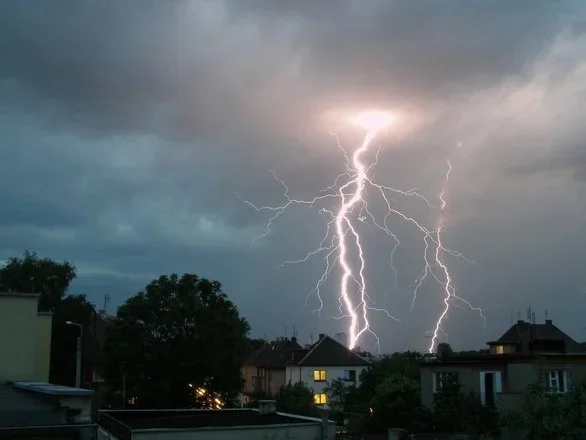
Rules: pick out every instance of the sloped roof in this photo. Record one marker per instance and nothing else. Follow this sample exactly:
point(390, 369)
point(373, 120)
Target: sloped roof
point(273, 354)
point(523, 333)
point(328, 352)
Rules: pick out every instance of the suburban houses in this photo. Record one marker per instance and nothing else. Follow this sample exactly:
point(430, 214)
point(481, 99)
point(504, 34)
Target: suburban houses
point(526, 354)
point(286, 362)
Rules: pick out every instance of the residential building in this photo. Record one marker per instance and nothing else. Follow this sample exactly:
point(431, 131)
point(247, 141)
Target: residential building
point(25, 338)
point(264, 370)
point(241, 424)
point(286, 362)
point(324, 361)
point(524, 355)
point(30, 406)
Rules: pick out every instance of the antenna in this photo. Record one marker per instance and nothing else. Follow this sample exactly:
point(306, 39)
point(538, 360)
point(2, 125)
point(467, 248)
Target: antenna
point(546, 314)
point(294, 331)
point(533, 316)
point(104, 310)
point(512, 316)
point(311, 339)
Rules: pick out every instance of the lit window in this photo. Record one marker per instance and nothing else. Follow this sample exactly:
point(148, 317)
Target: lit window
point(557, 381)
point(500, 349)
point(320, 399)
point(320, 375)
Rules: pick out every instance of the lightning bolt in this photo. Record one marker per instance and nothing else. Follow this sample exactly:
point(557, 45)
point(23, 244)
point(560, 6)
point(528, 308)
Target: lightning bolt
point(447, 283)
point(348, 191)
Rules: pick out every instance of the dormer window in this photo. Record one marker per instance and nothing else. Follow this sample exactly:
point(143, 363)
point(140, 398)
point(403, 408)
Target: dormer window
point(500, 349)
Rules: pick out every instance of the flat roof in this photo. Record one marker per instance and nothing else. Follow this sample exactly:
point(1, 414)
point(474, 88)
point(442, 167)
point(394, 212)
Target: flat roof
point(124, 422)
point(502, 358)
point(51, 389)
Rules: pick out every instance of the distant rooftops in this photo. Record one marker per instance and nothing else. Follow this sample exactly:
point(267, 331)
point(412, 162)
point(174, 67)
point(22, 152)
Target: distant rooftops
point(325, 352)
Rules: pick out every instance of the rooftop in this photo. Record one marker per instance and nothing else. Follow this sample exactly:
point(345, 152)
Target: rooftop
point(527, 336)
point(123, 422)
point(505, 358)
point(325, 352)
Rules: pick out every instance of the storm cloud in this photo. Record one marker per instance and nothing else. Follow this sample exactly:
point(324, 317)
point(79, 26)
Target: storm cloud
point(129, 127)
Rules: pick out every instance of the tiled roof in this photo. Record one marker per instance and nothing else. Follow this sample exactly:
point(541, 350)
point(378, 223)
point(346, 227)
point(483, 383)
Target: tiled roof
point(328, 352)
point(273, 354)
point(524, 333)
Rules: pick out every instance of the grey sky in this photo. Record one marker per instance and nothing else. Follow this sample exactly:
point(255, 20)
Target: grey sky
point(128, 126)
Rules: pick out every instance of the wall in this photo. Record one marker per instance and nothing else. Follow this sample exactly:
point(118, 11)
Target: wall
point(277, 432)
point(271, 382)
point(305, 374)
point(18, 336)
point(44, 327)
point(516, 378)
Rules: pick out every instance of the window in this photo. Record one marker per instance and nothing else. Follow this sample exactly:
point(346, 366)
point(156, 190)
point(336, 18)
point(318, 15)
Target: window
point(349, 376)
point(500, 349)
point(443, 378)
point(320, 375)
point(557, 381)
point(261, 372)
point(320, 399)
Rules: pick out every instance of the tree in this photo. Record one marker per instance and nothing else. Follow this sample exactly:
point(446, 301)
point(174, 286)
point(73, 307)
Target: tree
point(339, 393)
point(32, 274)
point(78, 309)
point(444, 350)
point(296, 399)
point(547, 416)
point(178, 331)
point(396, 404)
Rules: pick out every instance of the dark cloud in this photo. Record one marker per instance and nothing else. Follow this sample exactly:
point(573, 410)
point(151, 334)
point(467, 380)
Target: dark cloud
point(129, 127)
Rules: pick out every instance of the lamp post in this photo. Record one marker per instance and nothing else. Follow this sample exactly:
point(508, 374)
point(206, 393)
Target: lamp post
point(78, 362)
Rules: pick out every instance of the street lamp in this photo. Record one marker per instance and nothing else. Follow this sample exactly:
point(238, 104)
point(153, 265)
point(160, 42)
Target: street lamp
point(78, 363)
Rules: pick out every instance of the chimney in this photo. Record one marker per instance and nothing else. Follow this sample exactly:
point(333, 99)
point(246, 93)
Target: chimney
point(321, 336)
point(267, 407)
point(293, 339)
point(548, 322)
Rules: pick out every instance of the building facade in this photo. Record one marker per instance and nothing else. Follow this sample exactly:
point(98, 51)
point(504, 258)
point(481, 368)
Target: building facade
point(25, 338)
point(275, 365)
point(527, 354)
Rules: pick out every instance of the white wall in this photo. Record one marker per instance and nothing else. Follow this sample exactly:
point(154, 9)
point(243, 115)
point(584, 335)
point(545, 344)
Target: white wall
point(305, 374)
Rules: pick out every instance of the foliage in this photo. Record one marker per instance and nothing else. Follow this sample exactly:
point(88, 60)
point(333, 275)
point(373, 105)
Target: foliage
point(555, 416)
point(51, 280)
point(32, 274)
point(444, 350)
point(296, 399)
point(78, 309)
point(178, 331)
point(455, 412)
point(395, 403)
point(339, 393)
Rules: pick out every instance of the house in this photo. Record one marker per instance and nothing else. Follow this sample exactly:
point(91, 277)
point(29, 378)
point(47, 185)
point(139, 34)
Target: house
point(264, 370)
point(264, 422)
point(29, 405)
point(286, 362)
point(524, 355)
